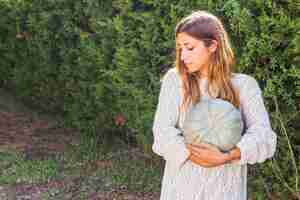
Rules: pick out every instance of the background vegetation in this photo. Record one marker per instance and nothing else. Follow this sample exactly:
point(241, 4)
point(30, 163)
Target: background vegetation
point(98, 64)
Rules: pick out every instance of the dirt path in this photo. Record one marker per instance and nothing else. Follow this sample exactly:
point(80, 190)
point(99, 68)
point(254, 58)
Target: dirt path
point(38, 138)
point(23, 133)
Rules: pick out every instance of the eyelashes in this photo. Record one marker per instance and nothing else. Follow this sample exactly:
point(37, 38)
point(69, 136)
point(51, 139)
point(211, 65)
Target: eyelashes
point(186, 48)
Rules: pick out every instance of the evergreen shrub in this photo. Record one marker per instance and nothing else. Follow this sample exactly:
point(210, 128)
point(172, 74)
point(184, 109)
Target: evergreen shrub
point(99, 64)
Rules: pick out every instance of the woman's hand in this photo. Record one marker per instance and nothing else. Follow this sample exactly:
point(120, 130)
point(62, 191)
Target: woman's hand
point(207, 155)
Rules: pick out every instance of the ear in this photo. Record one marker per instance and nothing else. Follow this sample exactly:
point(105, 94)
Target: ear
point(213, 46)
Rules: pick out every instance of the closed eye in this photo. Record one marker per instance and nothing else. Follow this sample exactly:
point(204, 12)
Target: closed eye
point(187, 46)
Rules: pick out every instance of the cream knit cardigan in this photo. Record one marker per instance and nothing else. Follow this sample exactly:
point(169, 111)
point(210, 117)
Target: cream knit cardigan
point(188, 181)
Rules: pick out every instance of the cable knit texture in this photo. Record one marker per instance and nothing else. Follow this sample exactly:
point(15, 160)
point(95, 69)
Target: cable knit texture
point(184, 180)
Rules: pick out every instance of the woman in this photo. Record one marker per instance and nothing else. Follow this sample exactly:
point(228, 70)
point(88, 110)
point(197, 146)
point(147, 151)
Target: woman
point(203, 70)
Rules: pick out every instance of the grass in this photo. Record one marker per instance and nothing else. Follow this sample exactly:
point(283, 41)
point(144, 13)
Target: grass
point(86, 169)
point(83, 171)
point(16, 169)
point(101, 162)
point(94, 166)
point(135, 173)
point(90, 168)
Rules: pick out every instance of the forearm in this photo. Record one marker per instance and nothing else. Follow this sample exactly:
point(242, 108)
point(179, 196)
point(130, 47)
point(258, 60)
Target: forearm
point(258, 142)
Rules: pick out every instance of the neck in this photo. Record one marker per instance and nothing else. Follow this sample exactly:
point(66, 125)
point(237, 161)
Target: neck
point(202, 74)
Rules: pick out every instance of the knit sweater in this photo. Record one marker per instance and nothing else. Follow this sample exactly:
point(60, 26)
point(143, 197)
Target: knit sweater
point(185, 180)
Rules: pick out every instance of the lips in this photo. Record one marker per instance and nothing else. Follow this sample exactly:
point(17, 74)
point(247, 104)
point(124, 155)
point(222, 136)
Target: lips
point(187, 63)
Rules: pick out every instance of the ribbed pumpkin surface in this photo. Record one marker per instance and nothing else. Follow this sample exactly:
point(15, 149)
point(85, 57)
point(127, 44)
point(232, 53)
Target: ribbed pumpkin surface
point(213, 121)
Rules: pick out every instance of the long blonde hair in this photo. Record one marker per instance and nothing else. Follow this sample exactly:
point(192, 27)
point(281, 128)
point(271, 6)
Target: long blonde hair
point(207, 27)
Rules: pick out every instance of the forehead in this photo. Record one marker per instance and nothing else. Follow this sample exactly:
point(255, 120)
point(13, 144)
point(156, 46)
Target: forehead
point(184, 39)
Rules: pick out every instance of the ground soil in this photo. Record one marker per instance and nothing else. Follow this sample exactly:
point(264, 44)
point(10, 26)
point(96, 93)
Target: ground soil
point(37, 136)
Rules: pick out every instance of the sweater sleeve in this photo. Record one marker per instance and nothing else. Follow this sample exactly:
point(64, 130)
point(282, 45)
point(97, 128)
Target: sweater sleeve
point(168, 141)
point(259, 141)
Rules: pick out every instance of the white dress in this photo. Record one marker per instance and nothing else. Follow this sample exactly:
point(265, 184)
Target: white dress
point(188, 181)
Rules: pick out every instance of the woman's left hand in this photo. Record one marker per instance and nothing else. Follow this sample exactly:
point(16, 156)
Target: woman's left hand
point(207, 155)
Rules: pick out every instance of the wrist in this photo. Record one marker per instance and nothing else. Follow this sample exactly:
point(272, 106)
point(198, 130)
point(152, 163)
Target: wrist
point(234, 154)
point(227, 157)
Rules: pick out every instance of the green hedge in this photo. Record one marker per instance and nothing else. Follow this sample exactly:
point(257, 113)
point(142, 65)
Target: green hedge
point(94, 61)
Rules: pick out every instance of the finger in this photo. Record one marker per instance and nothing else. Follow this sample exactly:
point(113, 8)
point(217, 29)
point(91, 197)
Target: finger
point(195, 153)
point(201, 162)
point(190, 146)
point(204, 153)
point(196, 159)
point(195, 150)
point(199, 148)
point(207, 146)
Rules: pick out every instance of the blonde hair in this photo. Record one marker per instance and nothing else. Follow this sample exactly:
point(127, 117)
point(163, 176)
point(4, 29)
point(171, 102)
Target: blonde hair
point(207, 27)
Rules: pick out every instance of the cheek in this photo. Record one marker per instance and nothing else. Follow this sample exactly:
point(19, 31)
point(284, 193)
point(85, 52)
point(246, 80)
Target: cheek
point(199, 56)
point(203, 55)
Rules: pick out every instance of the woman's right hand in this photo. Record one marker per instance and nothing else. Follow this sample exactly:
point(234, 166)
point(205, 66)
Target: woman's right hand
point(206, 155)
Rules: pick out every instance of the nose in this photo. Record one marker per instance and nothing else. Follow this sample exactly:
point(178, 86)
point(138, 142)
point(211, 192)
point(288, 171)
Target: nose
point(184, 55)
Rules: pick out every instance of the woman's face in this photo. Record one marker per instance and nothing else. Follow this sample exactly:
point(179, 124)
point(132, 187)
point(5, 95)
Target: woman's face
point(194, 54)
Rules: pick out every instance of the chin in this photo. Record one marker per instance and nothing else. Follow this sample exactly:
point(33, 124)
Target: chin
point(192, 70)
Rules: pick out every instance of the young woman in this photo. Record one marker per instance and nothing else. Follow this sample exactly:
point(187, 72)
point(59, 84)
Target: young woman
point(203, 70)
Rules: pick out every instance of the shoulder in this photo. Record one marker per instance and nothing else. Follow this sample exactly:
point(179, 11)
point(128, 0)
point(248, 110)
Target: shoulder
point(242, 78)
point(170, 84)
point(247, 85)
point(244, 81)
point(171, 76)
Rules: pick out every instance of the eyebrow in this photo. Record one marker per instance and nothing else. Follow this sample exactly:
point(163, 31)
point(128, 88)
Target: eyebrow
point(185, 44)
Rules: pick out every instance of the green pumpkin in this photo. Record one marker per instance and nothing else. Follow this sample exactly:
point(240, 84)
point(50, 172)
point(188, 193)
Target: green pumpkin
point(213, 121)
